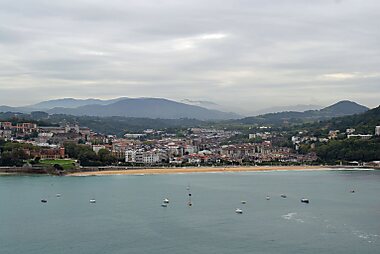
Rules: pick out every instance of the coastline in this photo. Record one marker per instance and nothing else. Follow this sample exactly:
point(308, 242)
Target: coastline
point(161, 171)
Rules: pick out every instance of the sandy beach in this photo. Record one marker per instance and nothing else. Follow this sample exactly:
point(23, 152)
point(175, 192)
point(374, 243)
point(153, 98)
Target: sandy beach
point(152, 171)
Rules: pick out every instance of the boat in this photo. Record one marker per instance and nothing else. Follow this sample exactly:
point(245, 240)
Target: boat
point(92, 201)
point(164, 204)
point(238, 211)
point(166, 201)
point(243, 202)
point(58, 195)
point(305, 200)
point(43, 200)
point(352, 191)
point(267, 197)
point(189, 202)
point(283, 195)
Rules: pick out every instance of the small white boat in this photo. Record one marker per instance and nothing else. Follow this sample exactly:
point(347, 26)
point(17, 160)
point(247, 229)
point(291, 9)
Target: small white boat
point(164, 205)
point(305, 200)
point(238, 211)
point(58, 195)
point(267, 197)
point(92, 201)
point(166, 201)
point(244, 202)
point(283, 195)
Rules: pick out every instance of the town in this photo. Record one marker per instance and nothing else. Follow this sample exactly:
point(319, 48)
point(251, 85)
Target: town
point(192, 147)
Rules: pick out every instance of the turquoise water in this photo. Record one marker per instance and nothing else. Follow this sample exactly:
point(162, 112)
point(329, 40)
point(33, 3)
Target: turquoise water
point(128, 217)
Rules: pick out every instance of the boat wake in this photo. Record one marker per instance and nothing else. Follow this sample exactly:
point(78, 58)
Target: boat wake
point(293, 217)
point(366, 236)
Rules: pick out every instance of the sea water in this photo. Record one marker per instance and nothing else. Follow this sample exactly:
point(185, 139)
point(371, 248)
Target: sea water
point(128, 218)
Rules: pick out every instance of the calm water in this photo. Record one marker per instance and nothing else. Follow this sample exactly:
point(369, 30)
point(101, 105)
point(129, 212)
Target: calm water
point(128, 218)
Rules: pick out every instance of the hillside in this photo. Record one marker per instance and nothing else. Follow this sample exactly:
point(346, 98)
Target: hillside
point(341, 108)
point(363, 123)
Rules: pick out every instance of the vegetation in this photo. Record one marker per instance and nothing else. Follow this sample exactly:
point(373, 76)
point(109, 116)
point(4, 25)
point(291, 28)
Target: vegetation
point(58, 164)
point(349, 150)
point(87, 157)
point(13, 154)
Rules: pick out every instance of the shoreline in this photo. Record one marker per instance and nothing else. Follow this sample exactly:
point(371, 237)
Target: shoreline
point(162, 171)
point(99, 171)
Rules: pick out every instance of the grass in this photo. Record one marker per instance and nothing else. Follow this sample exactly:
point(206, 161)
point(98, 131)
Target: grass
point(66, 164)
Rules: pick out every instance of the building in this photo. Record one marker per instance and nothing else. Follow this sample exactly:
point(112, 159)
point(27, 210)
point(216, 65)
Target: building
point(377, 130)
point(97, 148)
point(134, 135)
point(366, 136)
point(333, 134)
point(145, 157)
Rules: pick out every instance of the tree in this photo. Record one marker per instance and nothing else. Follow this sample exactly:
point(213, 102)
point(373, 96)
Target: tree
point(106, 157)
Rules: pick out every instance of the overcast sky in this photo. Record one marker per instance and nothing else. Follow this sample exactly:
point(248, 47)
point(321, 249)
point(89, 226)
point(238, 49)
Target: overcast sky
point(243, 54)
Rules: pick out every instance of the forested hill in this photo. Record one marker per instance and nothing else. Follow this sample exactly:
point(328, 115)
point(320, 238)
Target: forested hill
point(362, 123)
point(342, 108)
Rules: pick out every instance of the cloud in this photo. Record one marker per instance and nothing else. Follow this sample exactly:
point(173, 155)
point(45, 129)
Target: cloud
point(192, 42)
point(247, 54)
point(346, 76)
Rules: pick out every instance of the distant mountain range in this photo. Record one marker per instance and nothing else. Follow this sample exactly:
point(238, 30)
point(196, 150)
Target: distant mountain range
point(167, 109)
point(342, 108)
point(126, 107)
point(72, 103)
point(148, 108)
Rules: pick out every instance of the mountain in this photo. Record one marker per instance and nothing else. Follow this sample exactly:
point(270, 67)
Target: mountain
point(341, 108)
point(71, 103)
point(204, 104)
point(4, 108)
point(146, 108)
point(363, 123)
point(296, 108)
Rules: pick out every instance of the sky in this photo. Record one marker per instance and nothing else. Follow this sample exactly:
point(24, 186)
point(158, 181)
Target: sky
point(242, 54)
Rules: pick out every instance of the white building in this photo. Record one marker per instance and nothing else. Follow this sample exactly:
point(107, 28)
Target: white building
point(366, 136)
point(190, 149)
point(134, 135)
point(97, 148)
point(377, 130)
point(144, 157)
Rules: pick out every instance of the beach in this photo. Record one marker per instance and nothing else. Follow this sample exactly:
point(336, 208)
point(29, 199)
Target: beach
point(153, 171)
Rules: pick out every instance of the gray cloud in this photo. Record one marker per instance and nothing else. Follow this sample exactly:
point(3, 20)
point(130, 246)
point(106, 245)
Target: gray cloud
point(246, 54)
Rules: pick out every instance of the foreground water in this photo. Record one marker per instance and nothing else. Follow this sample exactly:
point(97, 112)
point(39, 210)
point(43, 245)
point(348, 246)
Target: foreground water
point(128, 217)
